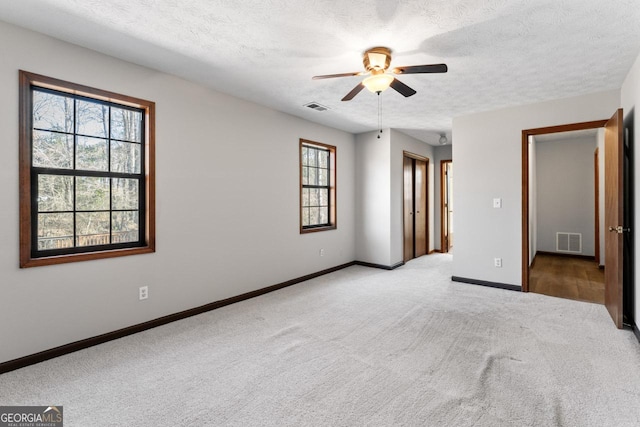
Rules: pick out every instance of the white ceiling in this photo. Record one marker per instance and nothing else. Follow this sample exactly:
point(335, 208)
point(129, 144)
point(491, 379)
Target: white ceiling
point(499, 52)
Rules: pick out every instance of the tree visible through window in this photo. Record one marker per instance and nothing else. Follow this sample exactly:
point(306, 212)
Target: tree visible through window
point(86, 158)
point(317, 188)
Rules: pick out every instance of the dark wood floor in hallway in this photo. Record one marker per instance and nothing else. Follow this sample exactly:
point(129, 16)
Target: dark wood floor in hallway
point(567, 277)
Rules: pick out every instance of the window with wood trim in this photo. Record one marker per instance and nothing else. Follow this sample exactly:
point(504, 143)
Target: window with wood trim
point(317, 186)
point(86, 173)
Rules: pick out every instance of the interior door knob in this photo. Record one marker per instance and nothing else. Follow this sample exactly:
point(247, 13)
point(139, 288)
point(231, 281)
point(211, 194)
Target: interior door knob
point(619, 229)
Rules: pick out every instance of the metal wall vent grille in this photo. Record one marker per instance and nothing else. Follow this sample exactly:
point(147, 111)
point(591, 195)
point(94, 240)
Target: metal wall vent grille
point(569, 242)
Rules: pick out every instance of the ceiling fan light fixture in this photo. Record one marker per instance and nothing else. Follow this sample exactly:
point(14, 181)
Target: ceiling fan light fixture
point(378, 83)
point(443, 139)
point(376, 62)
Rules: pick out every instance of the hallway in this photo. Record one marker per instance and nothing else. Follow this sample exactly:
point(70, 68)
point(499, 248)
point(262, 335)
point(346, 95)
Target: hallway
point(567, 277)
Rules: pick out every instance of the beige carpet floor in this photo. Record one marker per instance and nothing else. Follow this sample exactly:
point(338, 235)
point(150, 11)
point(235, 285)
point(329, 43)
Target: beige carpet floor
point(357, 347)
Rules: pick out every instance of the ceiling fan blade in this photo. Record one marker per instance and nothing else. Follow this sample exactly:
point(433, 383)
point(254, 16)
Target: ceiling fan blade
point(331, 76)
point(417, 69)
point(402, 88)
point(356, 90)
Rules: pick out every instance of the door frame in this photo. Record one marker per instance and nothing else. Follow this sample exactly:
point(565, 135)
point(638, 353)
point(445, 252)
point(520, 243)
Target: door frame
point(596, 174)
point(411, 155)
point(596, 124)
point(443, 213)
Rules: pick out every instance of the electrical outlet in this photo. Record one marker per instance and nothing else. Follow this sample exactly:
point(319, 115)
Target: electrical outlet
point(321, 252)
point(497, 262)
point(143, 292)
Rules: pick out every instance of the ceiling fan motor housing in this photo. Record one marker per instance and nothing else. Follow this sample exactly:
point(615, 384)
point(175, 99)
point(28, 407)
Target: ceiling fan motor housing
point(377, 59)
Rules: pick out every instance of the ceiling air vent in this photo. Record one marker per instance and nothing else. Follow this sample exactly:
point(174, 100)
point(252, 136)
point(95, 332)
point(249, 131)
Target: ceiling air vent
point(316, 106)
point(569, 242)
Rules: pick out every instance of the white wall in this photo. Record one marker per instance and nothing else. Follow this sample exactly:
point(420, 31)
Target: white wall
point(379, 194)
point(400, 143)
point(488, 157)
point(565, 191)
point(373, 203)
point(630, 100)
point(220, 160)
point(441, 152)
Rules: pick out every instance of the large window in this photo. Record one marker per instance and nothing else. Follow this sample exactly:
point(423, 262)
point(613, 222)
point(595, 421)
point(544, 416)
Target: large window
point(317, 186)
point(86, 173)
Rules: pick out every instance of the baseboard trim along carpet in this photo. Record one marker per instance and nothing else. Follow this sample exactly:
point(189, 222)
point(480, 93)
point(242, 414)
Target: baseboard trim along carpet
point(577, 256)
point(636, 331)
point(32, 359)
point(383, 267)
point(486, 283)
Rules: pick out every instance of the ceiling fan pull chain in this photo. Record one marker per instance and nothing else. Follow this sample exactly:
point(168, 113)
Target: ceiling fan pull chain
point(379, 114)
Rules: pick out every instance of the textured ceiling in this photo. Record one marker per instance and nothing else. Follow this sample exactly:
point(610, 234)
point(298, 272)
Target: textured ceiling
point(499, 52)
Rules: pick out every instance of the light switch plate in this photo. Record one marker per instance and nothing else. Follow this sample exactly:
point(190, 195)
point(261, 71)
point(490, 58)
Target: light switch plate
point(497, 203)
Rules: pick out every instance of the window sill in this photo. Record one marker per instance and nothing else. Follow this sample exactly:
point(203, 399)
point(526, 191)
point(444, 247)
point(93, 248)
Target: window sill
point(63, 259)
point(316, 229)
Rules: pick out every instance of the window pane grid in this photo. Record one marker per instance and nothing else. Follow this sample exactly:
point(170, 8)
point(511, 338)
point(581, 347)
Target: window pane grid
point(85, 126)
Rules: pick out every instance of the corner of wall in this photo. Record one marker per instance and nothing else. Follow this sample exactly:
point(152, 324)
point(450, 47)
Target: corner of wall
point(372, 201)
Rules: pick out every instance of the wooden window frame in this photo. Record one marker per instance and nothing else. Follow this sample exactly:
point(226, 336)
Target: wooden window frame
point(29, 80)
point(333, 223)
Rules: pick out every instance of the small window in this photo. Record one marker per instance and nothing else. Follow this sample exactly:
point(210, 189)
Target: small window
point(317, 186)
point(86, 173)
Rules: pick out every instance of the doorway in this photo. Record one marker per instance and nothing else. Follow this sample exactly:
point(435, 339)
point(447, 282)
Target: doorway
point(415, 206)
point(564, 185)
point(446, 206)
point(618, 166)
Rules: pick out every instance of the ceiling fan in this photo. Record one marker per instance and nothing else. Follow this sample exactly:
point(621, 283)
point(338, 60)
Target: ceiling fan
point(376, 62)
